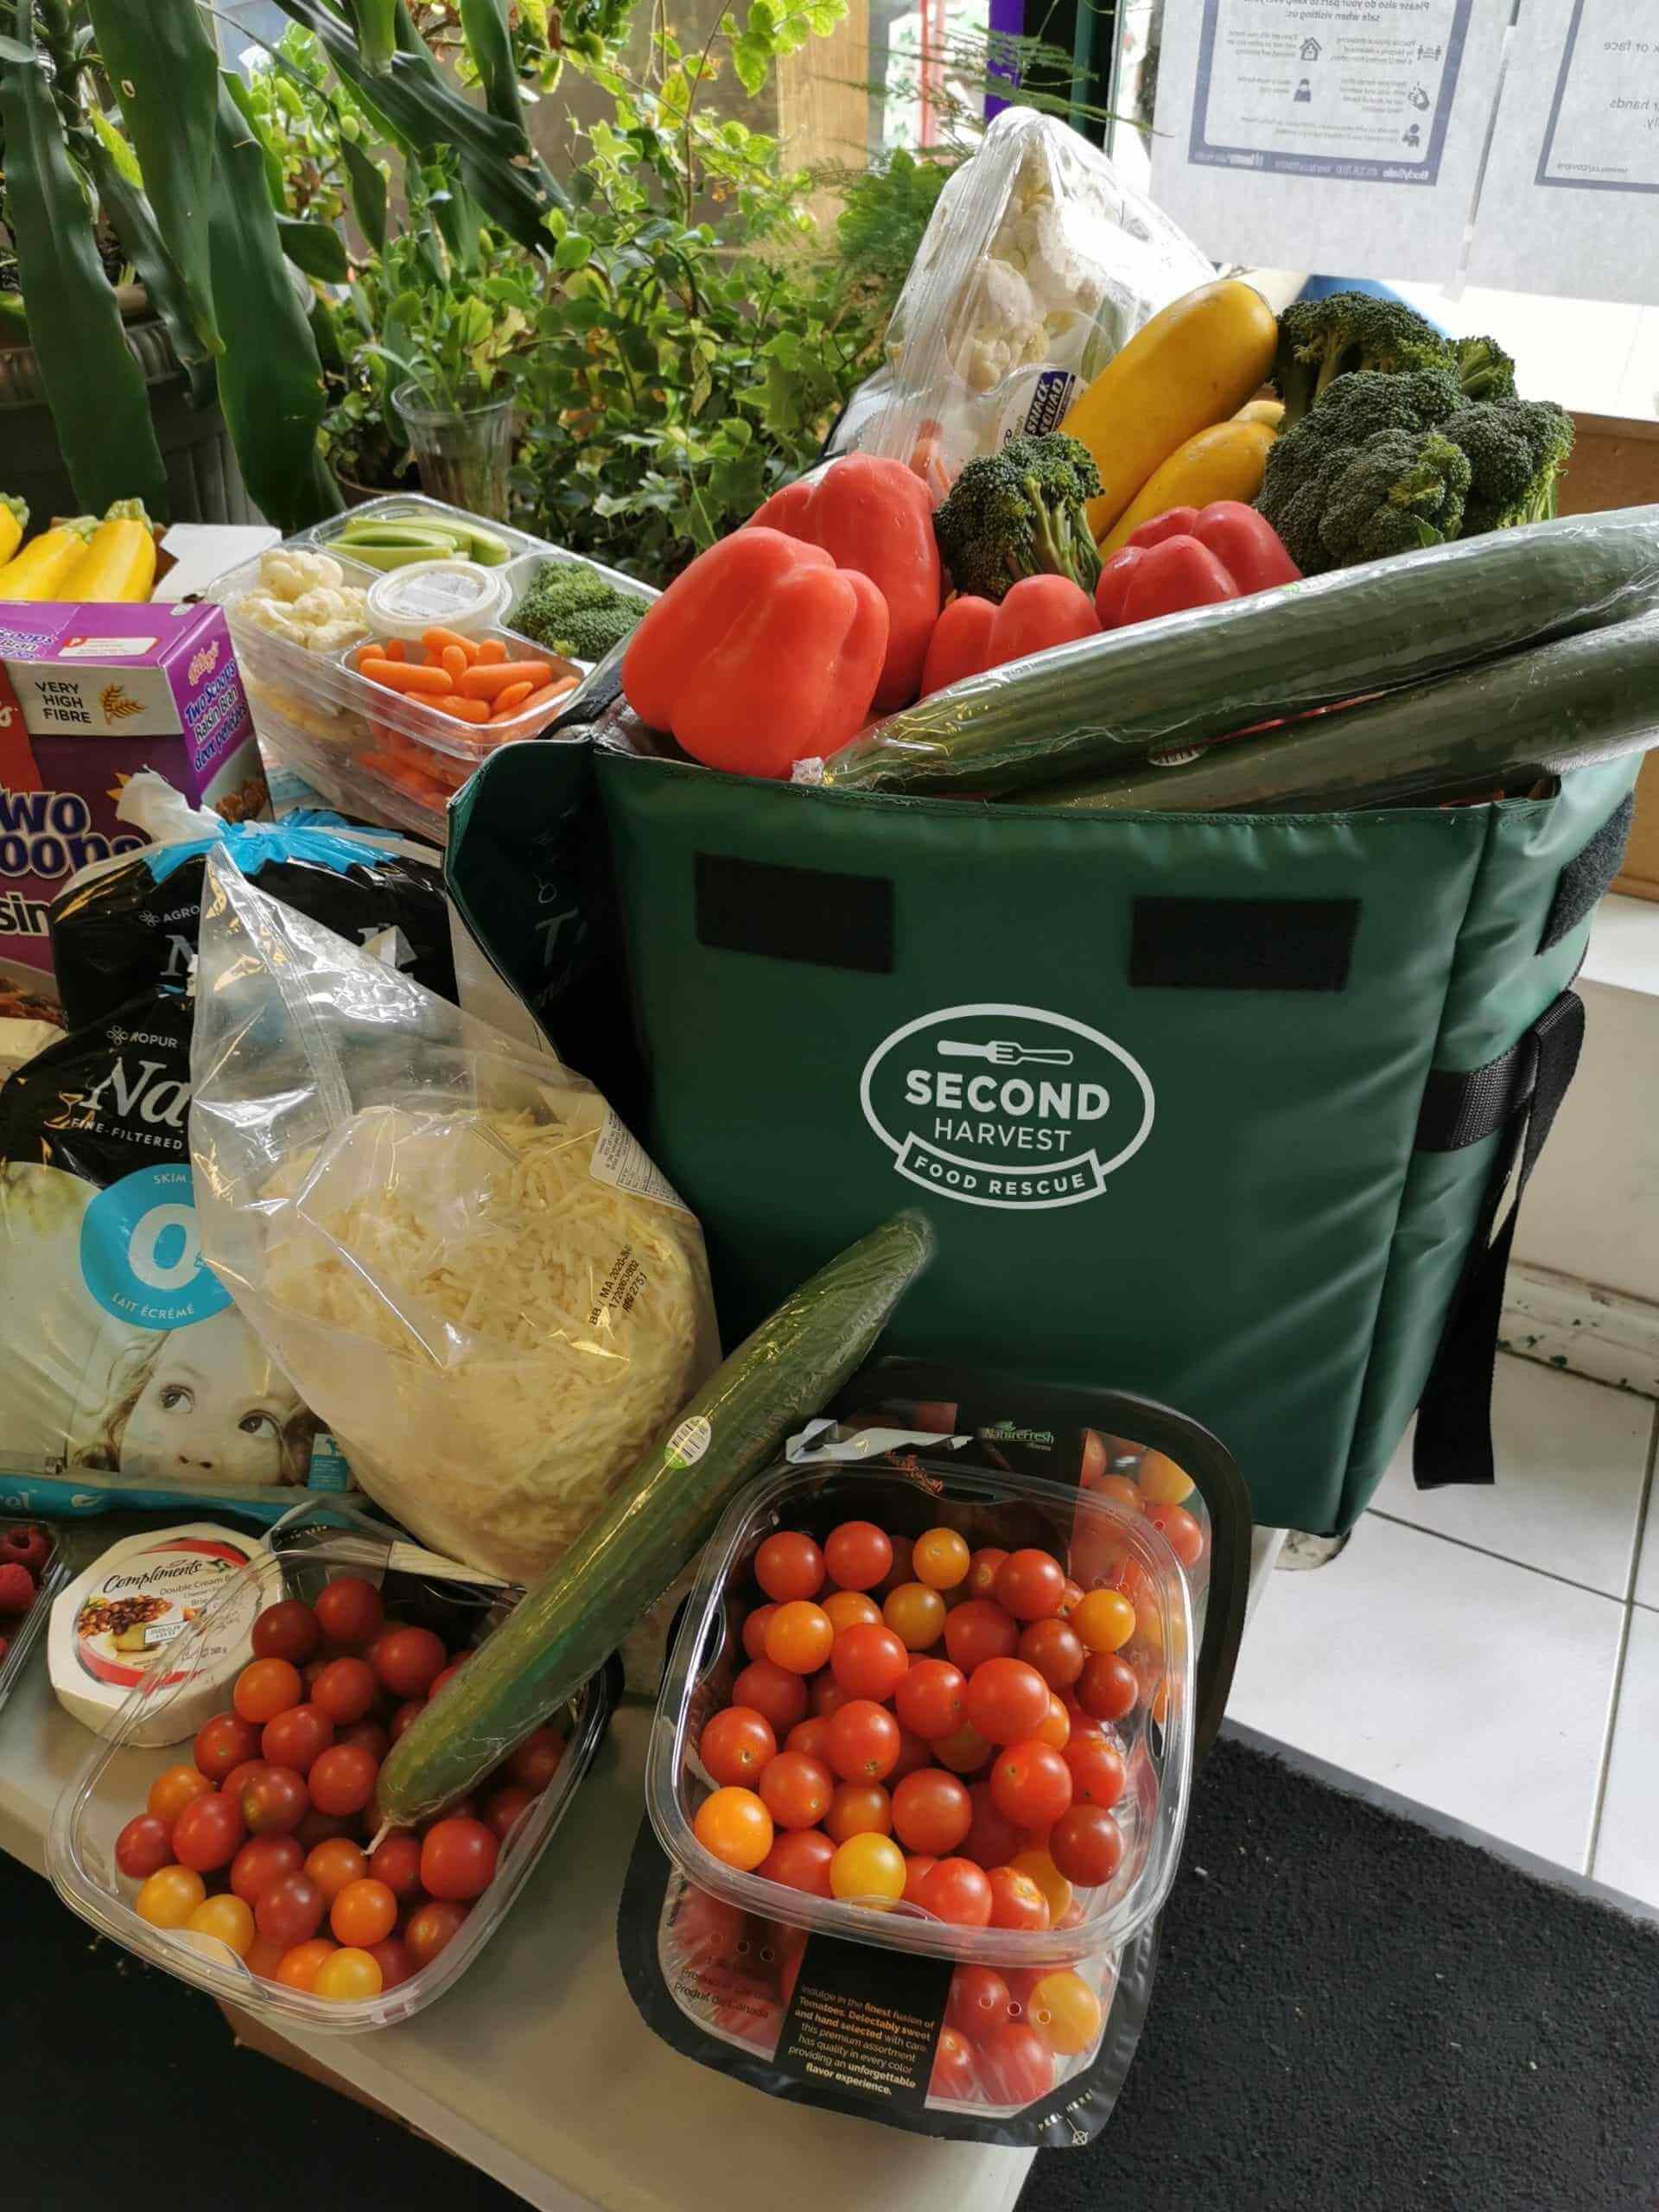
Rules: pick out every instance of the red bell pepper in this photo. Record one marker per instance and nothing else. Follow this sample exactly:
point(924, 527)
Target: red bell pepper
point(874, 516)
point(1192, 556)
point(761, 653)
point(975, 634)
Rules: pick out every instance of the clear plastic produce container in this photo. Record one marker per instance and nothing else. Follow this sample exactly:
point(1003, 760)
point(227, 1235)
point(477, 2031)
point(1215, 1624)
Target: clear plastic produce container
point(304, 1551)
point(23, 1630)
point(1096, 1539)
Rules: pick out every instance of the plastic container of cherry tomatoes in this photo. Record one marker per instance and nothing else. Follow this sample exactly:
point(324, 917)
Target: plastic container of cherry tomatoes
point(1099, 1542)
point(304, 1551)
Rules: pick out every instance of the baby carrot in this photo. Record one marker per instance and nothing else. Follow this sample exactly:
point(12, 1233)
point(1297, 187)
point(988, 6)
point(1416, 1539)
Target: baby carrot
point(491, 649)
point(545, 697)
point(464, 710)
point(404, 676)
point(394, 649)
point(455, 662)
point(508, 702)
point(436, 641)
point(487, 682)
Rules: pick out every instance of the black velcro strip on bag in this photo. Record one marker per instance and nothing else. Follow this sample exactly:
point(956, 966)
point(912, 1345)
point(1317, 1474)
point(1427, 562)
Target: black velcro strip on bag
point(809, 914)
point(1584, 878)
point(1242, 944)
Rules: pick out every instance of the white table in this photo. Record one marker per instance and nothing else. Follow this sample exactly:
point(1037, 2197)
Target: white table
point(536, 2066)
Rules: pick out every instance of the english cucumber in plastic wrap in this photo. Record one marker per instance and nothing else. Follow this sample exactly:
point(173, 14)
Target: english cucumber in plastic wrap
point(658, 1517)
point(1101, 706)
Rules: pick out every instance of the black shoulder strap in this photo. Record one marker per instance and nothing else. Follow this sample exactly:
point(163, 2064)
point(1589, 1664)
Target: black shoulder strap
point(1520, 1090)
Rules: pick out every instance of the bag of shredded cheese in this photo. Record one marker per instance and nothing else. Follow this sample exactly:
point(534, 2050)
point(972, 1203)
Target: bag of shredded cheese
point(452, 1246)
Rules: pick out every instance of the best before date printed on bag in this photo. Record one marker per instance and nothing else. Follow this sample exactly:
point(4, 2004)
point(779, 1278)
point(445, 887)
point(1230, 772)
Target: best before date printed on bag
point(1343, 136)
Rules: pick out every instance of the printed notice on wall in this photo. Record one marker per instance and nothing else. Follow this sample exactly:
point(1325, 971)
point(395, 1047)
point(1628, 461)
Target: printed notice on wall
point(1341, 137)
point(1570, 203)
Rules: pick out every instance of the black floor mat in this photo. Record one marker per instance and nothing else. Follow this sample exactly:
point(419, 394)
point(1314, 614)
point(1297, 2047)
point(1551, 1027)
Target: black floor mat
point(1353, 2014)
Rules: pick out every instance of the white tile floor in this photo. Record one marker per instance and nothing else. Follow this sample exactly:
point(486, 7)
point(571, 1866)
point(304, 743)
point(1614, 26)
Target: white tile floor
point(1493, 1654)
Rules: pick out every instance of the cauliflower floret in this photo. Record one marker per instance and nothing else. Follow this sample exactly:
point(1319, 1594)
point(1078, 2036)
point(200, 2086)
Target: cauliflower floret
point(328, 637)
point(1063, 279)
point(288, 572)
point(268, 614)
point(1001, 329)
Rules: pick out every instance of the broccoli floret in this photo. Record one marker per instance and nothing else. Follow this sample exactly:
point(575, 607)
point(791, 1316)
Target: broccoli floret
point(1483, 368)
point(1400, 491)
point(1303, 462)
point(1346, 332)
point(1022, 513)
point(1517, 449)
point(570, 602)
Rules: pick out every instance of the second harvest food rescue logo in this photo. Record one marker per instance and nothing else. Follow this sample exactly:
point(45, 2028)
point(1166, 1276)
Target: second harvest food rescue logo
point(1005, 1105)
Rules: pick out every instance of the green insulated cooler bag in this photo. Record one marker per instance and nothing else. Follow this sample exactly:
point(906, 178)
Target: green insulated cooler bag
point(1221, 1108)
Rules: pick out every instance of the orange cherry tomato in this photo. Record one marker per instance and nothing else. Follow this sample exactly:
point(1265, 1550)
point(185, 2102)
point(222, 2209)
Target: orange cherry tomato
point(736, 1827)
point(940, 1558)
point(799, 1636)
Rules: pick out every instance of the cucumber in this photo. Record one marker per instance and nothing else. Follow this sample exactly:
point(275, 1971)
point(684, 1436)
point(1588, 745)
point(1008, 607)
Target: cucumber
point(658, 1519)
point(487, 548)
point(1534, 713)
point(1102, 705)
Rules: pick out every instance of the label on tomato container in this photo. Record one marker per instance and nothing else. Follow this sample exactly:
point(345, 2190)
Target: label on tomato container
point(866, 2019)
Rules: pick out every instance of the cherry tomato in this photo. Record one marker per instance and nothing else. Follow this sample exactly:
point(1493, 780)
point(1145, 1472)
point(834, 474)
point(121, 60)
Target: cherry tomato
point(1016, 2066)
point(930, 1699)
point(300, 1961)
point(1049, 1879)
point(504, 1809)
point(1160, 1482)
point(238, 1777)
point(1030, 1585)
point(344, 1689)
point(732, 1824)
point(796, 1790)
point(1107, 1688)
point(736, 1745)
point(991, 1839)
point(322, 1828)
point(867, 1869)
point(395, 1961)
point(800, 1860)
point(755, 1630)
point(143, 1847)
point(863, 1740)
point(1008, 1700)
point(396, 1862)
point(789, 1565)
point(959, 1892)
point(1016, 1901)
point(349, 1609)
point(405, 1717)
point(1066, 2013)
point(169, 1896)
point(964, 1751)
point(266, 1687)
point(932, 1811)
point(346, 1976)
point(1055, 1649)
point(708, 1933)
point(913, 1756)
point(952, 2078)
point(981, 1578)
point(851, 1609)
point(536, 1761)
point(772, 1691)
point(208, 1833)
point(826, 1695)
point(858, 1809)
point(898, 1572)
point(291, 1912)
point(1086, 1844)
point(940, 1558)
point(408, 1661)
point(1104, 1622)
point(223, 1742)
point(335, 1865)
point(431, 1926)
point(1072, 1599)
point(363, 1913)
point(918, 1865)
point(288, 1629)
point(227, 1920)
point(1098, 1773)
point(978, 2002)
point(1184, 1535)
point(1121, 1489)
point(915, 1613)
point(799, 1636)
point(811, 1738)
point(263, 1957)
point(1030, 1782)
point(1055, 1728)
point(868, 1661)
point(444, 1674)
point(174, 1789)
point(857, 1555)
point(261, 1861)
point(342, 1780)
point(294, 1738)
point(980, 1631)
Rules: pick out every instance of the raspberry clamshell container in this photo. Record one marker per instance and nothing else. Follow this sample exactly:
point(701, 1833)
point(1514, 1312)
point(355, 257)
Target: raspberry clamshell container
point(23, 1630)
point(301, 1553)
point(1092, 1537)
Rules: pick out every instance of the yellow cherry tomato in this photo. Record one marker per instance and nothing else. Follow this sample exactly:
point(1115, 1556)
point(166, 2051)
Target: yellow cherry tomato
point(851, 1609)
point(734, 1824)
point(1048, 1879)
point(1066, 2013)
point(169, 1896)
point(346, 1974)
point(1160, 1482)
point(1105, 1620)
point(868, 1869)
point(941, 1559)
point(915, 1613)
point(227, 1919)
